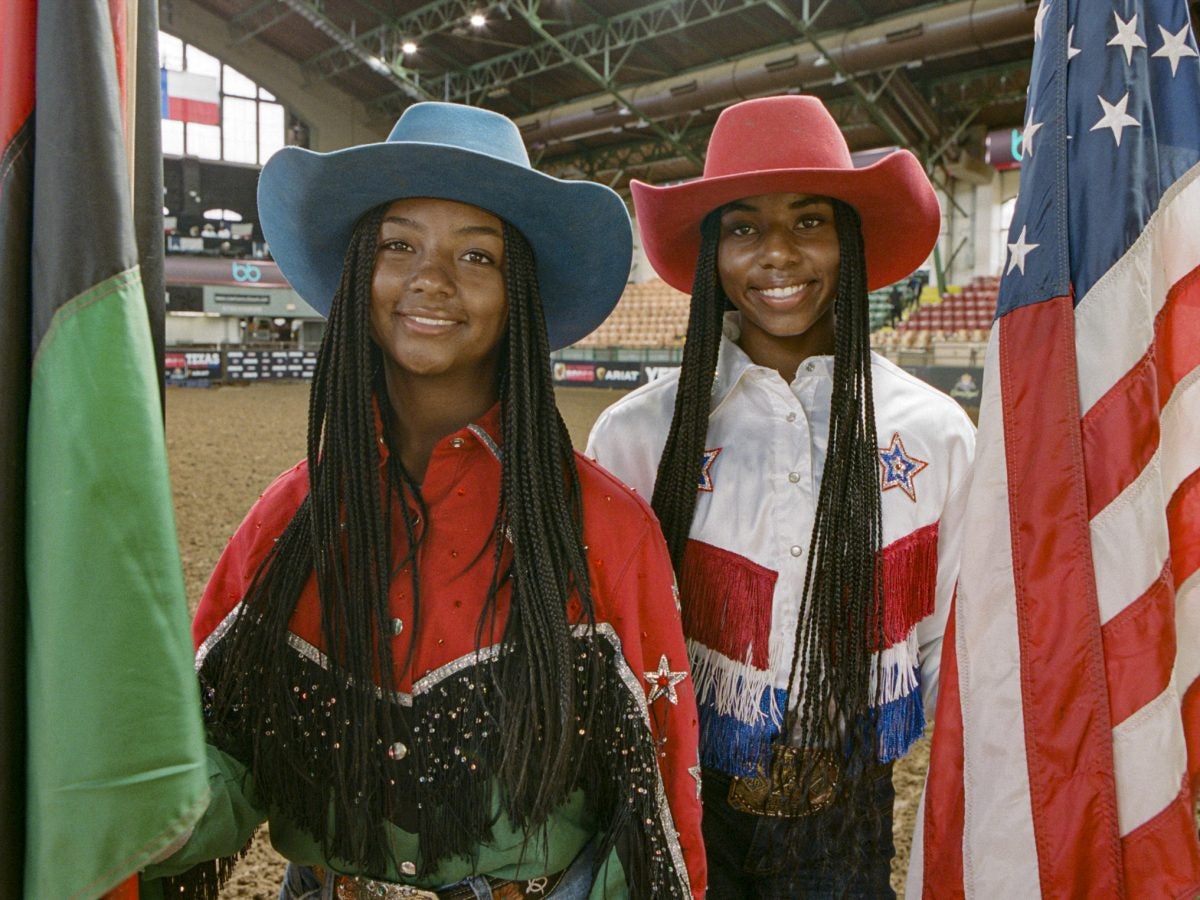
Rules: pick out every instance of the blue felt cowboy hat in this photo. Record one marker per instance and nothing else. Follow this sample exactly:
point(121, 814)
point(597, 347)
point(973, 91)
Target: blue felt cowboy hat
point(580, 232)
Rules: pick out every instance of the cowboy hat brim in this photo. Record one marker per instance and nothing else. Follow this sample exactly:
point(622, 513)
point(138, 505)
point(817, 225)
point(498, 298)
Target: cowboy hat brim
point(579, 231)
point(897, 204)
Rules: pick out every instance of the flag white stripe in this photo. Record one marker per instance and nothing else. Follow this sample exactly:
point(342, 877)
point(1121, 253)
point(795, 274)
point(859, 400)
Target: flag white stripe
point(1115, 321)
point(190, 86)
point(1149, 760)
point(1124, 571)
point(998, 818)
point(1187, 632)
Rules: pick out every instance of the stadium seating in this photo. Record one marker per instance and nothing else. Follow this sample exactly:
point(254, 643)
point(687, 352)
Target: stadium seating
point(649, 315)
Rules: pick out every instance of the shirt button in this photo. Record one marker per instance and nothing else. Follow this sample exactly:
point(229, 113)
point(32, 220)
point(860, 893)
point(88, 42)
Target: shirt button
point(454, 442)
point(793, 477)
point(810, 367)
point(408, 868)
point(397, 626)
point(397, 752)
point(797, 550)
point(791, 417)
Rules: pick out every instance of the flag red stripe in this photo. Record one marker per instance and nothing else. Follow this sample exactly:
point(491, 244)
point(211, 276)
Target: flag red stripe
point(1162, 856)
point(18, 44)
point(118, 16)
point(1191, 731)
point(1120, 432)
point(1139, 648)
point(1068, 732)
point(196, 111)
point(1183, 516)
point(943, 824)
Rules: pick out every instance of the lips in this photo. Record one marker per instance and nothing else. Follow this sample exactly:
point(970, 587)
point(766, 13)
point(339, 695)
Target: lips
point(783, 296)
point(426, 322)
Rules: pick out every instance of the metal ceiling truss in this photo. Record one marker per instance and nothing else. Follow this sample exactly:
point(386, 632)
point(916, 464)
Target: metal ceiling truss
point(608, 42)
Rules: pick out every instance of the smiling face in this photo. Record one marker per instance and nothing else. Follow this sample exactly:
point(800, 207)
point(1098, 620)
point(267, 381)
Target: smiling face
point(778, 264)
point(438, 301)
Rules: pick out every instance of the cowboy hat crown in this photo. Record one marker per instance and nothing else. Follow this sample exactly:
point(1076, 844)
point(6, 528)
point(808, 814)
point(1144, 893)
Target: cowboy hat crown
point(791, 144)
point(580, 233)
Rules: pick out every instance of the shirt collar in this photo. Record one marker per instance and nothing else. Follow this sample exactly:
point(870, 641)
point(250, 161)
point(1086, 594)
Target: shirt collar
point(486, 430)
point(733, 364)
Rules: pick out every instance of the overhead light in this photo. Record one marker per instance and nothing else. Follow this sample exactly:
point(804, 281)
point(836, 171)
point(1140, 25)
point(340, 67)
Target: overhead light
point(409, 48)
point(378, 65)
point(478, 20)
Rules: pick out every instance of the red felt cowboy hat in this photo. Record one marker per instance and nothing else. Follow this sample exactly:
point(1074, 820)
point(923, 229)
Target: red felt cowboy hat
point(791, 144)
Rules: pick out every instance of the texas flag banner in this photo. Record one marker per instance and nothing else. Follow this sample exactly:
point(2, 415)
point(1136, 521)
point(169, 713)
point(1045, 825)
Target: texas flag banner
point(188, 97)
point(1066, 750)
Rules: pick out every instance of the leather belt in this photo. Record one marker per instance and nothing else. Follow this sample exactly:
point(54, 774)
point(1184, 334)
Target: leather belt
point(353, 887)
point(781, 794)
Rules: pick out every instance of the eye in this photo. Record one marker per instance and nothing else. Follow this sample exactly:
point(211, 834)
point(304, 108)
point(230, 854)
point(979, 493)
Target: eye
point(395, 244)
point(740, 229)
point(810, 220)
point(478, 256)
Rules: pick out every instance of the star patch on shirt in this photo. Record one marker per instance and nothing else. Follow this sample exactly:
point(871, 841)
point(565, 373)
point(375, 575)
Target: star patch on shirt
point(706, 480)
point(663, 682)
point(898, 469)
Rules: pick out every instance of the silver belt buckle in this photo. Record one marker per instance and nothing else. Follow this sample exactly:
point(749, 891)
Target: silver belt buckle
point(367, 889)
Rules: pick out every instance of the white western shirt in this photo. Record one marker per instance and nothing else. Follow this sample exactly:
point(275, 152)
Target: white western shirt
point(743, 578)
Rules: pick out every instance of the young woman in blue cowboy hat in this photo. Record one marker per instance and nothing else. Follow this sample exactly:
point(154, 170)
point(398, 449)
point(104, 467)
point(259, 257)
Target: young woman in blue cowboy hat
point(443, 655)
point(808, 489)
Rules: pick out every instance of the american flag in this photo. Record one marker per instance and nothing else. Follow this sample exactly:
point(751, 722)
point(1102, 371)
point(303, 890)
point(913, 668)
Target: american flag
point(1066, 752)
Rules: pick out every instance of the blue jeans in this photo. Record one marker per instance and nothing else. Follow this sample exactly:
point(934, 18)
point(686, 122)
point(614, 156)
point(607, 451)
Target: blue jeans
point(300, 883)
point(746, 859)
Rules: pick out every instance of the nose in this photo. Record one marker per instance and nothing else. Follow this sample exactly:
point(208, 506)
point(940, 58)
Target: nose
point(431, 276)
point(777, 250)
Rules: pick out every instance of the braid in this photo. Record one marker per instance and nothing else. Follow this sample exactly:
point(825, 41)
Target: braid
point(342, 533)
point(317, 750)
point(674, 499)
point(541, 513)
point(840, 627)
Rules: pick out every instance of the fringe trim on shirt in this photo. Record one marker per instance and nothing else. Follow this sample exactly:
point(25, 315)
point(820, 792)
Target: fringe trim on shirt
point(909, 572)
point(435, 776)
point(205, 880)
point(727, 602)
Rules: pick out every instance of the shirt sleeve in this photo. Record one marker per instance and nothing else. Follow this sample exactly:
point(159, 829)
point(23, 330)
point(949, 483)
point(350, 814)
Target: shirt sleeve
point(654, 649)
point(226, 826)
point(950, 538)
point(628, 441)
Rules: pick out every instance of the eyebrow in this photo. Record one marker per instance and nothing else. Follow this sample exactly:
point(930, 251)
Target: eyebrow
point(465, 229)
point(742, 206)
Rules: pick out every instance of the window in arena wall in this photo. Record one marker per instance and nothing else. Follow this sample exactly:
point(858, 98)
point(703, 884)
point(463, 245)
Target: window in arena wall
point(251, 121)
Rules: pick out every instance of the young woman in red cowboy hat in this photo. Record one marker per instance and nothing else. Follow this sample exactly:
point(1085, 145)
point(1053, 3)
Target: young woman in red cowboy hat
point(443, 655)
point(808, 489)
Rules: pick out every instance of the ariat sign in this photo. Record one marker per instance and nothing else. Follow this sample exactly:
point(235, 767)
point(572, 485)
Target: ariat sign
point(629, 376)
point(619, 374)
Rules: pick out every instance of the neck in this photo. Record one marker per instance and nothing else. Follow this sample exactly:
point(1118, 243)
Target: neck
point(786, 354)
point(425, 410)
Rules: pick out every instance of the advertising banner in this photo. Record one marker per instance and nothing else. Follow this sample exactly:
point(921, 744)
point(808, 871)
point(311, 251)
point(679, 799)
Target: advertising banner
point(192, 367)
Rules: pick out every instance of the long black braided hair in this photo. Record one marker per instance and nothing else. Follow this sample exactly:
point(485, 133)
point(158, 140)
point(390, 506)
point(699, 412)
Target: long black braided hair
point(840, 626)
point(255, 705)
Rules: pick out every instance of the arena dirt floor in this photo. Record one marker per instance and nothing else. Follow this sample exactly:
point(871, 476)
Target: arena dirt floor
point(226, 444)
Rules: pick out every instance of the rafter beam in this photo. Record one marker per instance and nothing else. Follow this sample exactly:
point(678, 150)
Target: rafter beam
point(254, 21)
point(528, 10)
point(406, 82)
point(432, 18)
point(606, 39)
